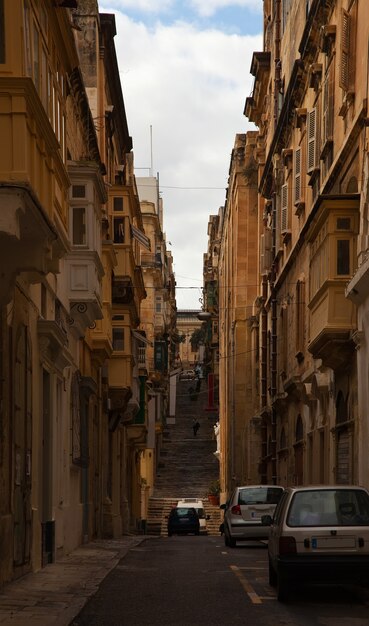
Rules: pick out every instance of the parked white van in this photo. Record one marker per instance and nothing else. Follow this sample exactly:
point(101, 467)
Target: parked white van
point(199, 506)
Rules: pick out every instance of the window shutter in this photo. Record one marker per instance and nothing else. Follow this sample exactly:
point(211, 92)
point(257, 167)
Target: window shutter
point(328, 105)
point(311, 139)
point(297, 169)
point(265, 251)
point(284, 207)
point(262, 255)
point(345, 50)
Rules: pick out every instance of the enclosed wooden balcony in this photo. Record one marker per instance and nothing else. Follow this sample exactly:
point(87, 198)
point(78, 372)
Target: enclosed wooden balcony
point(332, 240)
point(33, 194)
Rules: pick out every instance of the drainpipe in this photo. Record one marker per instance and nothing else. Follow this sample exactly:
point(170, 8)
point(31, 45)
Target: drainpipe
point(277, 60)
point(263, 380)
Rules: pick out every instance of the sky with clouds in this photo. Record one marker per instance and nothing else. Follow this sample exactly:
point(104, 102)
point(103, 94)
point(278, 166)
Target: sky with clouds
point(185, 73)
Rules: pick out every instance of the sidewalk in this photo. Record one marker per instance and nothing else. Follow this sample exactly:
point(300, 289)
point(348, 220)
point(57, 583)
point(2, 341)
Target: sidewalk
point(56, 594)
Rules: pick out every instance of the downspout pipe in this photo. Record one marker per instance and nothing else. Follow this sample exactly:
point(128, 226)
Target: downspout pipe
point(273, 373)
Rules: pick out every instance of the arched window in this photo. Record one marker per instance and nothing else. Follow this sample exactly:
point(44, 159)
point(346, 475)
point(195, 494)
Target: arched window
point(269, 445)
point(299, 429)
point(341, 409)
point(283, 440)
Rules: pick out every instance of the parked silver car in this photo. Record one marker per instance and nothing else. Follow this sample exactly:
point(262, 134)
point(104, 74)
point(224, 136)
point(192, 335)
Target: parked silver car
point(319, 534)
point(244, 509)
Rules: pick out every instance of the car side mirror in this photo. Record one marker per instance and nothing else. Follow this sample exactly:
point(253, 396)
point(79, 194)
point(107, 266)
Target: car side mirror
point(266, 520)
point(223, 507)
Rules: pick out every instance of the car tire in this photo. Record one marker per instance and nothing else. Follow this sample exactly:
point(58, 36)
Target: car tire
point(169, 534)
point(282, 589)
point(228, 540)
point(197, 532)
point(273, 579)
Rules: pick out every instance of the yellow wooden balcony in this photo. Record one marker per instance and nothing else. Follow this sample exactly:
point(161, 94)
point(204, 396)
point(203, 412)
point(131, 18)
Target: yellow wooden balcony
point(33, 195)
point(332, 239)
point(332, 320)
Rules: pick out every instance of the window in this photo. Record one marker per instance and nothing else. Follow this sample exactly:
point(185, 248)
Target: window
point(118, 229)
point(2, 32)
point(79, 226)
point(283, 440)
point(297, 170)
point(43, 301)
point(343, 257)
point(348, 37)
point(299, 429)
point(158, 304)
point(300, 316)
point(284, 208)
point(343, 223)
point(328, 104)
point(311, 140)
point(118, 204)
point(118, 339)
point(79, 191)
point(42, 65)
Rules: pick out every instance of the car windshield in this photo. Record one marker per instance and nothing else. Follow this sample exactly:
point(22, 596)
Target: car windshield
point(329, 507)
point(184, 512)
point(260, 495)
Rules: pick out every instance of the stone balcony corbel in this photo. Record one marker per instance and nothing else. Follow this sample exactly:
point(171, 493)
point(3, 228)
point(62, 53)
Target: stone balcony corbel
point(29, 243)
point(53, 341)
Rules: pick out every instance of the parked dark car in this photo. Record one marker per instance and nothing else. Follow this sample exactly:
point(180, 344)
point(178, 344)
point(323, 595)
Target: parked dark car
point(243, 512)
point(183, 521)
point(319, 535)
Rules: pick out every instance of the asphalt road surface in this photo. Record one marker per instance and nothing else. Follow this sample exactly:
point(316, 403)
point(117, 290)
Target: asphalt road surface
point(197, 581)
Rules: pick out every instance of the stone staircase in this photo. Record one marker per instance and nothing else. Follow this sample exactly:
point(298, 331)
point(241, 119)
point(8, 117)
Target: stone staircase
point(187, 464)
point(159, 509)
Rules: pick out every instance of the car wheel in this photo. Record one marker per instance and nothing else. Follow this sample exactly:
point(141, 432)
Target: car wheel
point(232, 542)
point(169, 534)
point(282, 590)
point(273, 580)
point(197, 532)
point(226, 540)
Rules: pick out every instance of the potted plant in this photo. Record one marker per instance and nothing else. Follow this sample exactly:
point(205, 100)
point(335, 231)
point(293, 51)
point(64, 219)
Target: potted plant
point(214, 492)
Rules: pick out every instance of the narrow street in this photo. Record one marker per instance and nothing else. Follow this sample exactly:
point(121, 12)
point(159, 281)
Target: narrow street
point(194, 580)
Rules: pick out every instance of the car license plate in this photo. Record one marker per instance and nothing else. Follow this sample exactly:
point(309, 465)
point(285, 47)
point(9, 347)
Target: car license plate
point(322, 543)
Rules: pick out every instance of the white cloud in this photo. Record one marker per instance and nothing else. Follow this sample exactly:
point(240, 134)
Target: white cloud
point(191, 87)
point(210, 7)
point(145, 6)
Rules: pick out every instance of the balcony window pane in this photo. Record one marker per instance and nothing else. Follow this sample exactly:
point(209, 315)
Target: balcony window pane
point(36, 59)
point(2, 33)
point(118, 230)
point(79, 226)
point(343, 257)
point(79, 191)
point(118, 339)
point(118, 204)
point(343, 223)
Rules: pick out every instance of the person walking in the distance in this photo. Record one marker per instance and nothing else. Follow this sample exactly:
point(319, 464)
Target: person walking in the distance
point(195, 426)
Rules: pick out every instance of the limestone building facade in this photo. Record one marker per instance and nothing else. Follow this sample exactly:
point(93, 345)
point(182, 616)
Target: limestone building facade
point(309, 103)
point(74, 391)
